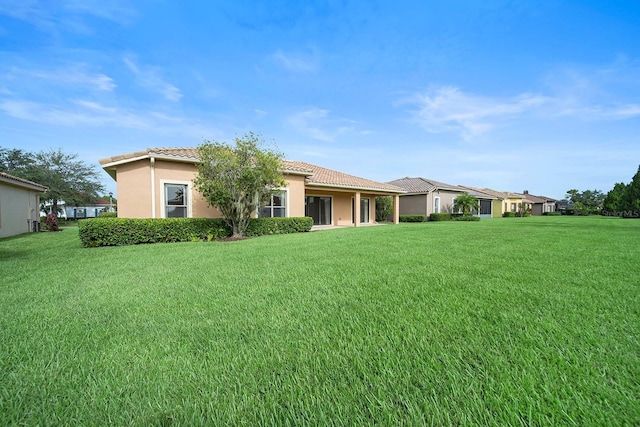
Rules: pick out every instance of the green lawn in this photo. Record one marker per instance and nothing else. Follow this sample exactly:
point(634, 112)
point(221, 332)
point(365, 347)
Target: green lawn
point(517, 321)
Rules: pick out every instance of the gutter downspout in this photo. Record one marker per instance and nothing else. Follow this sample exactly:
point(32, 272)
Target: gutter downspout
point(153, 187)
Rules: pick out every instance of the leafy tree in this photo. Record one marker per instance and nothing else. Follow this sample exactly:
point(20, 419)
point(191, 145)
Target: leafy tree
point(614, 202)
point(631, 198)
point(384, 207)
point(239, 179)
point(68, 179)
point(466, 203)
point(16, 162)
point(586, 202)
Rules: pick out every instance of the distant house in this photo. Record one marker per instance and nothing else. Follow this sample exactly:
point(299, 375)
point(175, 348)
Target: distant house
point(505, 201)
point(19, 205)
point(563, 206)
point(540, 204)
point(426, 196)
point(158, 183)
point(92, 210)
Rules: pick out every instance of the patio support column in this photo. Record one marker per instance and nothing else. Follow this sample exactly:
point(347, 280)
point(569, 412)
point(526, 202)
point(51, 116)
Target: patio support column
point(356, 210)
point(396, 209)
point(153, 187)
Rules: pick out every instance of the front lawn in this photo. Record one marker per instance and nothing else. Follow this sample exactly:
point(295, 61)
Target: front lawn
point(514, 321)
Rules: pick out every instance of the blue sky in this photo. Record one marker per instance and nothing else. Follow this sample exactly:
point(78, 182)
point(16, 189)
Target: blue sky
point(511, 95)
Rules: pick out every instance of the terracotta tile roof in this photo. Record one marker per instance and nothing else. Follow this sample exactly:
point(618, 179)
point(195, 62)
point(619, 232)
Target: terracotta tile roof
point(539, 199)
point(497, 194)
point(316, 175)
point(21, 182)
point(328, 177)
point(423, 185)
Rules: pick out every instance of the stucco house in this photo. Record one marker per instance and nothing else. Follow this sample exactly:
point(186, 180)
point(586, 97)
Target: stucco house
point(540, 204)
point(426, 196)
point(158, 183)
point(19, 205)
point(505, 201)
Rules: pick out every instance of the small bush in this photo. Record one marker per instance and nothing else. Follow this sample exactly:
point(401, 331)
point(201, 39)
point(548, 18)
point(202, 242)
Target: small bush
point(52, 222)
point(466, 218)
point(412, 218)
point(108, 215)
point(440, 217)
point(509, 215)
point(132, 231)
point(556, 213)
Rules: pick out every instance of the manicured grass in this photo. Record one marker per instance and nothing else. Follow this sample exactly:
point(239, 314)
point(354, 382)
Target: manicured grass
point(515, 321)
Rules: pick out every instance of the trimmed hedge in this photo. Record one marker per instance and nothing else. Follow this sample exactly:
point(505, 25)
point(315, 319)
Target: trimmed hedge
point(466, 218)
point(133, 231)
point(412, 218)
point(509, 215)
point(266, 226)
point(555, 213)
point(108, 215)
point(440, 217)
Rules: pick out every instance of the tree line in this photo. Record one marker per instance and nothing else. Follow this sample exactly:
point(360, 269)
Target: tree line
point(622, 200)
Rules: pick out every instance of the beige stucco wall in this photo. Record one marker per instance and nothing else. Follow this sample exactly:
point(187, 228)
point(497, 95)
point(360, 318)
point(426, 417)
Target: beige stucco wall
point(135, 192)
point(19, 207)
point(342, 204)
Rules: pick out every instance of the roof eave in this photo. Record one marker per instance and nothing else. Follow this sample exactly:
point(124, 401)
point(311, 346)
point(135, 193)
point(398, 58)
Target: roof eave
point(352, 188)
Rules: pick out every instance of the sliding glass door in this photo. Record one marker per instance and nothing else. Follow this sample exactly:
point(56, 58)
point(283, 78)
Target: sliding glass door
point(318, 208)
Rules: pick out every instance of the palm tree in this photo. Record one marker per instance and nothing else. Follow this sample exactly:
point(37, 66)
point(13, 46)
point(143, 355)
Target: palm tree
point(465, 203)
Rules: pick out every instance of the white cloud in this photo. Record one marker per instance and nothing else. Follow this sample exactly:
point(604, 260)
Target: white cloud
point(150, 79)
point(318, 124)
point(84, 113)
point(296, 62)
point(447, 109)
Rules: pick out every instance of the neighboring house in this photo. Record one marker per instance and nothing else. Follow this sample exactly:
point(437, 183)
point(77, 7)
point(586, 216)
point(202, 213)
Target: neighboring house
point(563, 206)
point(426, 196)
point(80, 212)
point(504, 201)
point(540, 204)
point(158, 183)
point(19, 205)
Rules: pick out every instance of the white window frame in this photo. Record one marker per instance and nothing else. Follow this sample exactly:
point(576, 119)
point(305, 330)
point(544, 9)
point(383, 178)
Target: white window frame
point(436, 205)
point(163, 196)
point(285, 192)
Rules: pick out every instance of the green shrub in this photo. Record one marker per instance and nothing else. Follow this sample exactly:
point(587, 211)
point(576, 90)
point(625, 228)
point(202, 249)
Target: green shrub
point(132, 231)
point(466, 218)
point(108, 215)
point(556, 213)
point(509, 214)
point(412, 218)
point(440, 217)
point(265, 226)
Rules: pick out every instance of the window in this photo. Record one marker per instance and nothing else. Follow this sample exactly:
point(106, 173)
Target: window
point(277, 206)
point(175, 196)
point(318, 208)
point(364, 210)
point(513, 207)
point(436, 205)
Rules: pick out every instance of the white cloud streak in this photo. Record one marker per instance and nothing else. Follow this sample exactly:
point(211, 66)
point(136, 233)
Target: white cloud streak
point(317, 123)
point(449, 109)
point(296, 62)
point(150, 79)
